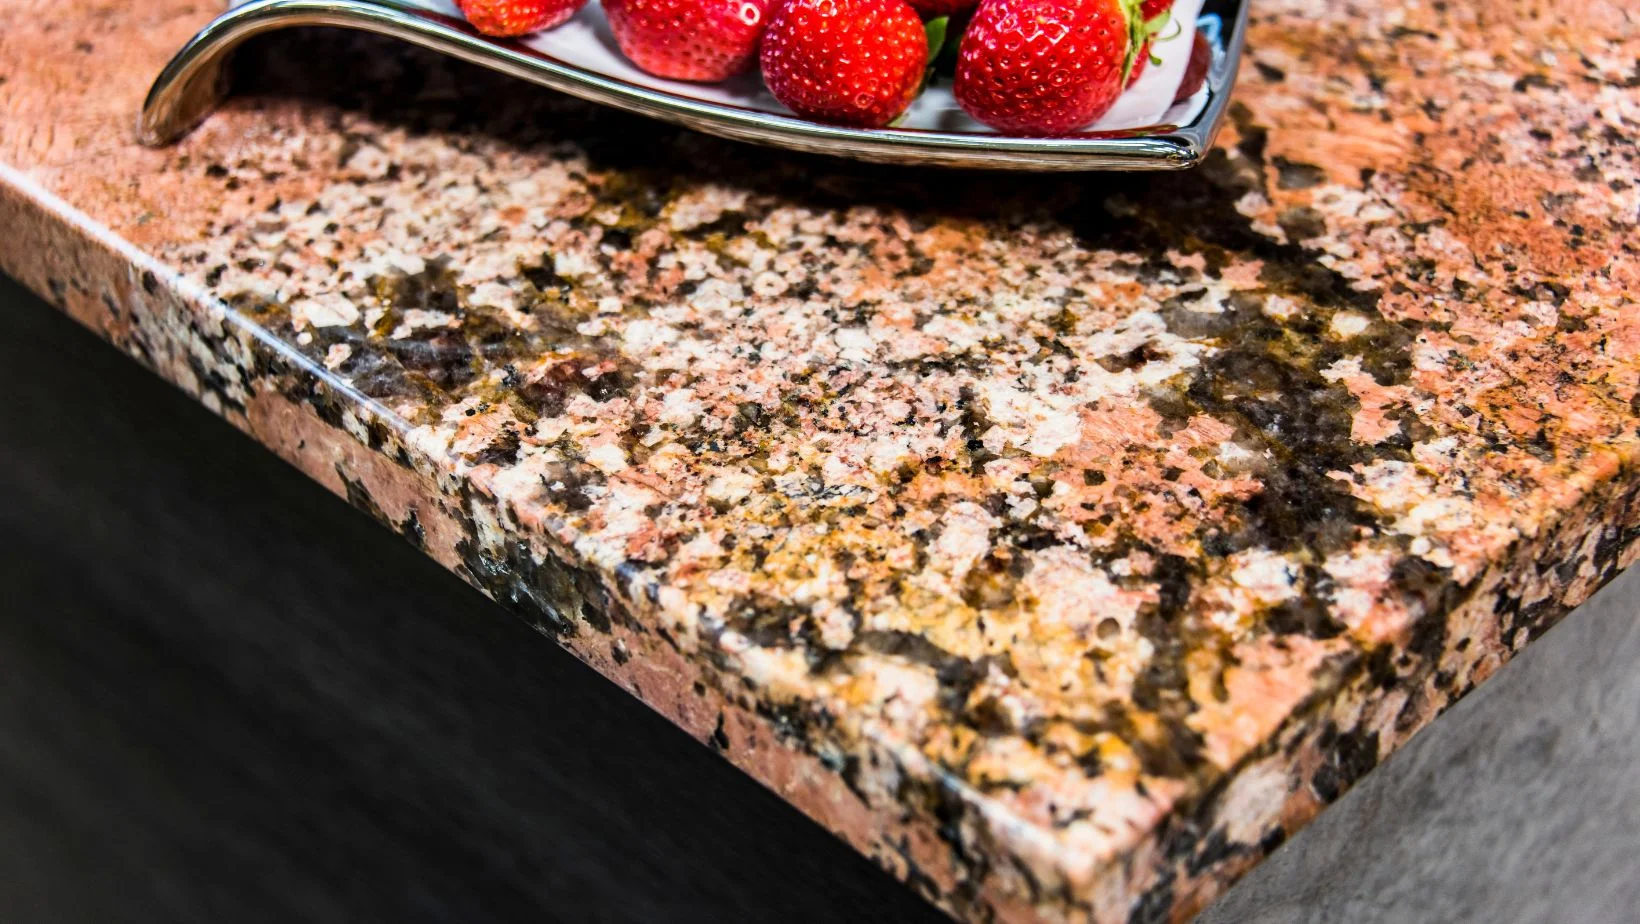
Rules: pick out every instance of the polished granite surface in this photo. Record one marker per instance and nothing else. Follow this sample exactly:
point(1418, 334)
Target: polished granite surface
point(1064, 544)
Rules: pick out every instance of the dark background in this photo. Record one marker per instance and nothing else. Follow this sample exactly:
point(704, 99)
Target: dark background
point(226, 696)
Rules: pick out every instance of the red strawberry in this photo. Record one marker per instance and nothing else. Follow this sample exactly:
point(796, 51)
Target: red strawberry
point(1195, 73)
point(1139, 64)
point(517, 17)
point(1047, 67)
point(849, 62)
point(1149, 9)
point(688, 39)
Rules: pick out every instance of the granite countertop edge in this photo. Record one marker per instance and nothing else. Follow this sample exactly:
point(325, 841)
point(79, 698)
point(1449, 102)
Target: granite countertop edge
point(1355, 716)
point(1065, 548)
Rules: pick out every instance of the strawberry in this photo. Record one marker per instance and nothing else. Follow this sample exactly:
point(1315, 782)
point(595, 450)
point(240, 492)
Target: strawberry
point(1139, 64)
point(848, 62)
point(517, 17)
point(1047, 67)
point(705, 40)
point(1195, 73)
point(1150, 10)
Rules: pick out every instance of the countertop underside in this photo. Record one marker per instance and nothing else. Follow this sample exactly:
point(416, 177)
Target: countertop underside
point(1064, 544)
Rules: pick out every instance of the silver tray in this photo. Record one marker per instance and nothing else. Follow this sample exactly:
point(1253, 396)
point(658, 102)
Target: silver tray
point(579, 59)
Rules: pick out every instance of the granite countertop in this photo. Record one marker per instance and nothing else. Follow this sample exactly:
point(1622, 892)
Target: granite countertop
point(1063, 543)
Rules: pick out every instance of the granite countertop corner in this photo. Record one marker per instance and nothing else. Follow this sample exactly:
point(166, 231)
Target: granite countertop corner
point(1065, 544)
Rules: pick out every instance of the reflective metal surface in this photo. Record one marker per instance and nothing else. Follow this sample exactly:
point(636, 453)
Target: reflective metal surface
point(194, 81)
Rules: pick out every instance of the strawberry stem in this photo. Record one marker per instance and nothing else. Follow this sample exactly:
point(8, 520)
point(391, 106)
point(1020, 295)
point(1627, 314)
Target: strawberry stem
point(1157, 23)
point(1138, 34)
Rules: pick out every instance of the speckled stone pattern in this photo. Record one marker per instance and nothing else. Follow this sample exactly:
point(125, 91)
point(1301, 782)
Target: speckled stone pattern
point(1064, 544)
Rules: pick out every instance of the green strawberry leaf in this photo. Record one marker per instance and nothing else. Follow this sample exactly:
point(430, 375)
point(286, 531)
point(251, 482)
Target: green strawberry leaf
point(1138, 34)
point(935, 30)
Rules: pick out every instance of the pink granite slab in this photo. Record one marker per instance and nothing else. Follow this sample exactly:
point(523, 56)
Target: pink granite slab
point(1064, 544)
